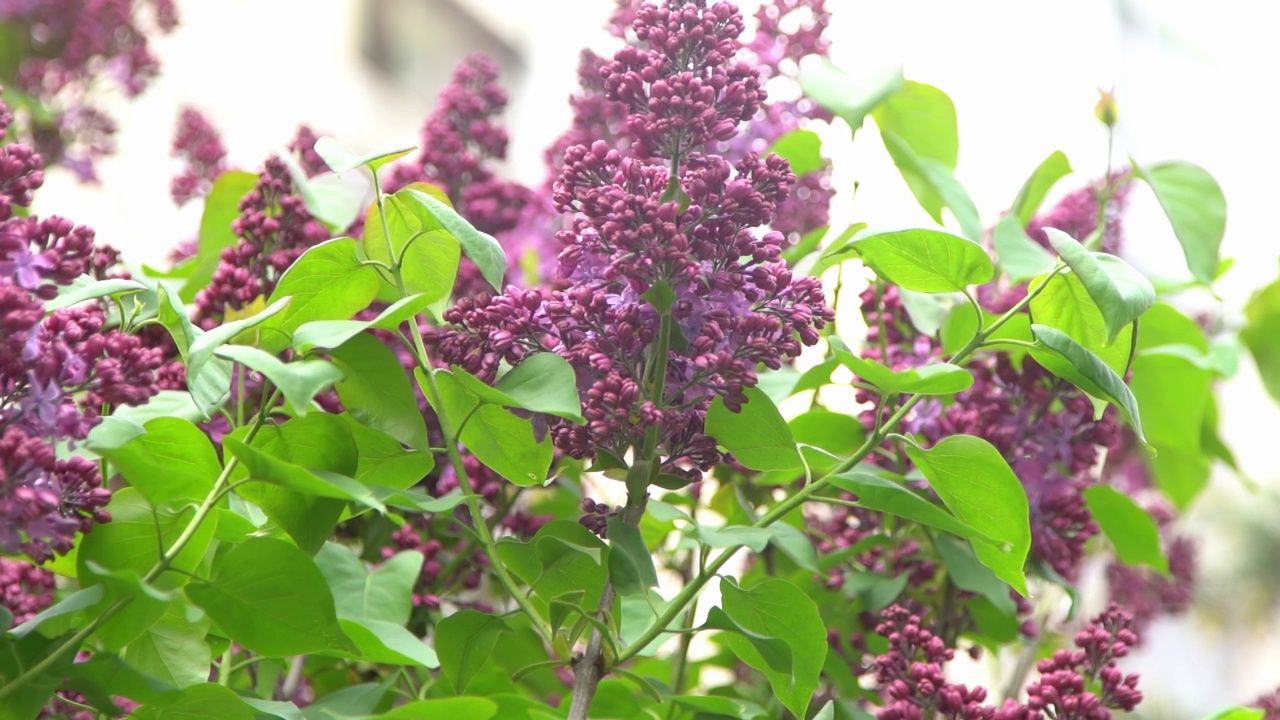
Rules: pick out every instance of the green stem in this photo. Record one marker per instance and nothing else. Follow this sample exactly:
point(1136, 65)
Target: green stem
point(795, 500)
point(163, 564)
point(483, 535)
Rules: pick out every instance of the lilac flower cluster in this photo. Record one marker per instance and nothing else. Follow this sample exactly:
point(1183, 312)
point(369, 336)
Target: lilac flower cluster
point(462, 142)
point(735, 305)
point(58, 372)
point(24, 589)
point(274, 228)
point(1077, 213)
point(69, 46)
point(199, 145)
point(613, 97)
point(1045, 429)
point(1080, 684)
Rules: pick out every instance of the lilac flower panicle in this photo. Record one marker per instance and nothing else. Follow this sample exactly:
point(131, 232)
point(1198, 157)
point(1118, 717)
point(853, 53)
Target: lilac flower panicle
point(274, 228)
point(736, 306)
point(76, 45)
point(683, 89)
point(463, 140)
point(1269, 704)
point(199, 145)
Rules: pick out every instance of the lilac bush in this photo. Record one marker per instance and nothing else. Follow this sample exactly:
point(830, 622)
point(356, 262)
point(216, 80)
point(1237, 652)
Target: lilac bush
point(466, 448)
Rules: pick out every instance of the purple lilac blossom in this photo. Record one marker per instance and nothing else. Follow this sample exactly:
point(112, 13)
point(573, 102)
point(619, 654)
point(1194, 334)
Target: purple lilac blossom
point(1080, 684)
point(74, 45)
point(274, 228)
point(199, 145)
point(1045, 429)
point(736, 305)
point(463, 140)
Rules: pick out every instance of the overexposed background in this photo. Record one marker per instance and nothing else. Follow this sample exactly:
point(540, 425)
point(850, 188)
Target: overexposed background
point(1190, 81)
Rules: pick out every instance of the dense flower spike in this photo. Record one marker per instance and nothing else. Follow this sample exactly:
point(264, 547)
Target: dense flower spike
point(274, 229)
point(463, 140)
point(24, 589)
point(199, 145)
point(910, 674)
point(73, 45)
point(1081, 684)
point(682, 88)
point(734, 303)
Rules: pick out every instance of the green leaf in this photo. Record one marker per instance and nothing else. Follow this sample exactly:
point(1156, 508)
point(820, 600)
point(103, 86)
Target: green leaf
point(340, 158)
point(16, 656)
point(1021, 258)
point(837, 252)
point(794, 544)
point(1033, 192)
point(464, 641)
point(851, 99)
point(172, 462)
point(173, 649)
point(1262, 327)
point(884, 495)
point(394, 234)
point(975, 482)
point(543, 382)
point(934, 186)
point(924, 118)
point(204, 345)
point(1066, 306)
point(1121, 293)
point(269, 597)
point(507, 445)
point(318, 441)
point(716, 706)
point(93, 290)
point(327, 282)
point(562, 557)
point(221, 208)
point(461, 708)
point(756, 435)
point(482, 248)
point(299, 380)
point(1131, 530)
point(130, 542)
point(198, 702)
point(968, 573)
point(333, 333)
point(263, 467)
point(379, 641)
point(384, 462)
point(333, 200)
point(376, 391)
point(1239, 713)
point(802, 149)
point(777, 609)
point(385, 594)
point(936, 379)
point(1101, 380)
point(630, 563)
point(1196, 208)
point(73, 603)
point(728, 536)
point(930, 261)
